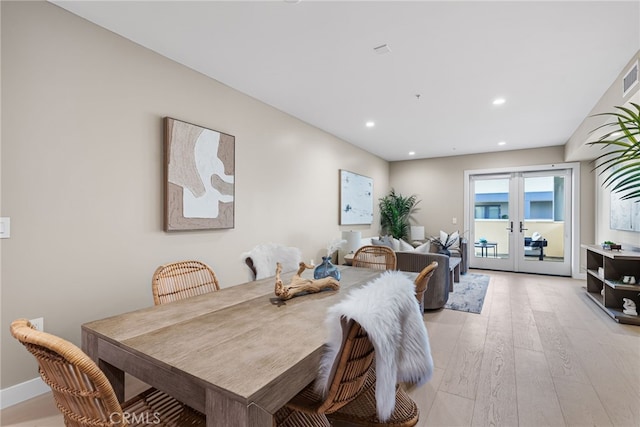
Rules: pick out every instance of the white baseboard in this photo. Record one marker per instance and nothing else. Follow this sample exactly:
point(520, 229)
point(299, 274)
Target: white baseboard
point(24, 391)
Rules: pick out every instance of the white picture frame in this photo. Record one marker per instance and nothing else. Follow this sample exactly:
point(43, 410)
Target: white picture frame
point(356, 198)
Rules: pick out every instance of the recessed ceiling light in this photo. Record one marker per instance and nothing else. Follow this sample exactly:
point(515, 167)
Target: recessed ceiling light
point(499, 101)
point(412, 153)
point(502, 143)
point(370, 124)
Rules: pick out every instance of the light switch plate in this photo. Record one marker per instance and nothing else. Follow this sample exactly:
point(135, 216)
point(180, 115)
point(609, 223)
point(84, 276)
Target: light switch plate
point(5, 227)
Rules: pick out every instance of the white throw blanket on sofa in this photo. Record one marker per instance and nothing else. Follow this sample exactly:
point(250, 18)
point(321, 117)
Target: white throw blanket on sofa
point(388, 310)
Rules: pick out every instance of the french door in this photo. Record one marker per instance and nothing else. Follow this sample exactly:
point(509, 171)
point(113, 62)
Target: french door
point(521, 220)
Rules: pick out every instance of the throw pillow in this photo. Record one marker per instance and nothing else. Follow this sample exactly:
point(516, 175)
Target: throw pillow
point(404, 246)
point(383, 241)
point(453, 237)
point(424, 248)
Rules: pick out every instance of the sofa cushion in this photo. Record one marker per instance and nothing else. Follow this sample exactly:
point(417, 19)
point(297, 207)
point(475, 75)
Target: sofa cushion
point(453, 237)
point(404, 246)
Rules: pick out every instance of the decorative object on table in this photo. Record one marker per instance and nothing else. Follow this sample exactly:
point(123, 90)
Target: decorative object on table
point(482, 241)
point(326, 268)
point(395, 212)
point(199, 177)
point(356, 198)
point(620, 162)
point(629, 280)
point(300, 285)
point(609, 245)
point(469, 294)
point(446, 242)
point(629, 307)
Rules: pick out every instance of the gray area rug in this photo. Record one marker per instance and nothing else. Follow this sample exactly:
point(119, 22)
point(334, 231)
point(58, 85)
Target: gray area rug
point(468, 295)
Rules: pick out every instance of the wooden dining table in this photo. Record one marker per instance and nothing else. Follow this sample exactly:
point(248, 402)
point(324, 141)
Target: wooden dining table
point(237, 355)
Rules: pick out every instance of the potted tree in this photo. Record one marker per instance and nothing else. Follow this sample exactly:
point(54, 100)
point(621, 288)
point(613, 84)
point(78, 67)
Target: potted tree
point(395, 211)
point(622, 161)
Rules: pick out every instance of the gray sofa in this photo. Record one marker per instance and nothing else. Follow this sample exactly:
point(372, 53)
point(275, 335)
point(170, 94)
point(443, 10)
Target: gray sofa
point(437, 292)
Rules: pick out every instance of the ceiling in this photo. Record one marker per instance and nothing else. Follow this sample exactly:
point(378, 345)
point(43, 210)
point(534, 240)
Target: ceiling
point(431, 94)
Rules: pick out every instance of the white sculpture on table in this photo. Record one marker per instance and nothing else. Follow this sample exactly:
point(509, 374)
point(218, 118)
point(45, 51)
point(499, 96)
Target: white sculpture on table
point(629, 307)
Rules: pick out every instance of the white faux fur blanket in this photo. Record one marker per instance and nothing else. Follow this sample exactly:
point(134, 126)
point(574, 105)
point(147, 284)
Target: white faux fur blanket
point(388, 310)
point(265, 257)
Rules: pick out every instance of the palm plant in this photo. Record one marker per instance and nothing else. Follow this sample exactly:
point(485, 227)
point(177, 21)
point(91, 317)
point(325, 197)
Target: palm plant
point(622, 162)
point(395, 211)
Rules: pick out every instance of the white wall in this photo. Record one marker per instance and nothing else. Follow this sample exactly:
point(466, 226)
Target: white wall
point(82, 173)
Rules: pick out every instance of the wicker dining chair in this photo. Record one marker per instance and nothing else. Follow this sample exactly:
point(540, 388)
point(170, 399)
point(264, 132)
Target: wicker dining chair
point(83, 393)
point(422, 282)
point(375, 256)
point(350, 376)
point(180, 280)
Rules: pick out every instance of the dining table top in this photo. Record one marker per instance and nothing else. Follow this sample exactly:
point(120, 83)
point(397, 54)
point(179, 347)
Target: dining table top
point(240, 342)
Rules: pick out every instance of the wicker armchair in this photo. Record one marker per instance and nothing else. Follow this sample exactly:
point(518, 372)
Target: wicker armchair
point(375, 256)
point(180, 280)
point(351, 376)
point(83, 393)
point(422, 282)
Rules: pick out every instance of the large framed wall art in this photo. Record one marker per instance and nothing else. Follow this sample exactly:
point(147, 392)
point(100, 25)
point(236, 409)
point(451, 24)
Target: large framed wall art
point(199, 177)
point(356, 198)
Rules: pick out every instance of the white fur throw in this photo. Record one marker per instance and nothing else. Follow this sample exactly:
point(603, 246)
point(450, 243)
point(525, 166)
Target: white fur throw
point(388, 310)
point(266, 256)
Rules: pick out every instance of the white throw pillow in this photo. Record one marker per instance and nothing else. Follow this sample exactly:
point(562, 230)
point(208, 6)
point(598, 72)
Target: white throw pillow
point(424, 248)
point(404, 246)
point(455, 237)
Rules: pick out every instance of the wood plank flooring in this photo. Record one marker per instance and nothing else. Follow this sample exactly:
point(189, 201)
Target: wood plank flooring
point(540, 354)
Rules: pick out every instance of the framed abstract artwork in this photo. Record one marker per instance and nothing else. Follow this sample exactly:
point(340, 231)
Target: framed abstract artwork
point(356, 198)
point(199, 177)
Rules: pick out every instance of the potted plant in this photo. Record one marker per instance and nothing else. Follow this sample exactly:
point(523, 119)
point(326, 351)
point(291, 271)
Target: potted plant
point(395, 211)
point(622, 161)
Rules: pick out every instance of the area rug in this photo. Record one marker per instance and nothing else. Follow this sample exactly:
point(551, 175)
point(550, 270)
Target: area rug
point(469, 293)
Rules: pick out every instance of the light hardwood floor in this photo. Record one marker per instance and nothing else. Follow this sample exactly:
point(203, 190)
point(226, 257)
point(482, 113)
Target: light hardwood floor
point(540, 354)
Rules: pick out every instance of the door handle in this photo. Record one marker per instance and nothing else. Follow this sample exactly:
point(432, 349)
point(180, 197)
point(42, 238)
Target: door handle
point(510, 228)
point(522, 229)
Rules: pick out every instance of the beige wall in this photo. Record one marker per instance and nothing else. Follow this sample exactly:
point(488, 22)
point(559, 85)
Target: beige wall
point(578, 149)
point(82, 171)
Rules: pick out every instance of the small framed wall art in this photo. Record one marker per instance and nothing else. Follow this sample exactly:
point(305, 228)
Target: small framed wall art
point(356, 198)
point(199, 177)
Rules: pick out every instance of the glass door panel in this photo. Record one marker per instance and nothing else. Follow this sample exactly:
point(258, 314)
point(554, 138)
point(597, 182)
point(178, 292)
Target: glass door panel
point(545, 218)
point(491, 223)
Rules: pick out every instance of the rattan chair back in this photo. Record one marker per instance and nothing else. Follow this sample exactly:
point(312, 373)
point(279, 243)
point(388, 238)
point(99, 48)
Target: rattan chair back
point(84, 394)
point(422, 282)
point(376, 257)
point(180, 280)
point(351, 374)
point(350, 369)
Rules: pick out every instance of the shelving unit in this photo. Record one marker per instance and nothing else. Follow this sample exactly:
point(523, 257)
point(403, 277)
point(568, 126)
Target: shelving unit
point(615, 264)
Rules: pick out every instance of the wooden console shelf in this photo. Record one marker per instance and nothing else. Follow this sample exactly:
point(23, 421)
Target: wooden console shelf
point(615, 264)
